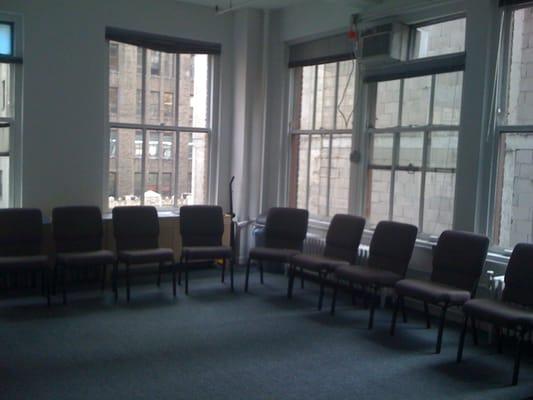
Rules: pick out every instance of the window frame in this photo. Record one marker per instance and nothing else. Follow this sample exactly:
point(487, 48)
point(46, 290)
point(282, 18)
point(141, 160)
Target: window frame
point(330, 133)
point(501, 127)
point(213, 86)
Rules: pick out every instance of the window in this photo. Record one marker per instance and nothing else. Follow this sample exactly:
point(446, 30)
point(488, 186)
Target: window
point(321, 137)
point(113, 138)
point(6, 38)
point(440, 38)
point(413, 137)
point(513, 206)
point(155, 62)
point(163, 157)
point(7, 124)
point(113, 57)
point(113, 100)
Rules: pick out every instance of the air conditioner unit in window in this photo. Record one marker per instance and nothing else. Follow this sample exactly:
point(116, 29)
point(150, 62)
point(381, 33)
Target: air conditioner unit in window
point(384, 43)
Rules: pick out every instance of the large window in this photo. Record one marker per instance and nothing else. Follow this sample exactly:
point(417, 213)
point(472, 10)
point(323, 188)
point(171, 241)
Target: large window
point(413, 136)
point(160, 124)
point(513, 216)
point(321, 137)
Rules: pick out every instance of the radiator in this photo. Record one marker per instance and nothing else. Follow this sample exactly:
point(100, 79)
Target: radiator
point(315, 245)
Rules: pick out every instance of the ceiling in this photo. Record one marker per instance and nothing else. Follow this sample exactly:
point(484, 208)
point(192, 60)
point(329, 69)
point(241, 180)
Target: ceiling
point(274, 4)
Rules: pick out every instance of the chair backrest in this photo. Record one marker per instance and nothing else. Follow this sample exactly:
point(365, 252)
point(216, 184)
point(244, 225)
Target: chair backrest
point(286, 228)
point(343, 237)
point(392, 246)
point(201, 225)
point(458, 259)
point(519, 276)
point(136, 227)
point(77, 228)
point(21, 232)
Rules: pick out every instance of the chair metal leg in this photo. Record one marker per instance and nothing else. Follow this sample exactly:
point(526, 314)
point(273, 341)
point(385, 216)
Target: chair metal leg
point(186, 264)
point(428, 317)
point(322, 276)
point(290, 281)
point(159, 275)
point(334, 297)
point(115, 280)
point(179, 271)
point(63, 283)
point(518, 354)
point(302, 278)
point(354, 295)
point(247, 275)
point(462, 340)
point(499, 339)
point(223, 271)
point(373, 300)
point(104, 271)
point(404, 311)
point(474, 331)
point(399, 300)
point(46, 279)
point(261, 272)
point(441, 328)
point(231, 264)
point(174, 279)
point(128, 282)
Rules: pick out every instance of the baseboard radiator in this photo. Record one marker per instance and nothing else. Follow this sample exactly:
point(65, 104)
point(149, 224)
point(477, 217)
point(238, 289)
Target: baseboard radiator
point(316, 245)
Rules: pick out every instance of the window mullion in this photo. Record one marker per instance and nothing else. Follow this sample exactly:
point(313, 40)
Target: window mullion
point(395, 152)
point(144, 133)
point(177, 131)
point(313, 125)
point(330, 149)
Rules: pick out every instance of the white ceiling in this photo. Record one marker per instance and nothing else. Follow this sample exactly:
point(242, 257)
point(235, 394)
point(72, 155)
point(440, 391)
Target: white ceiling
point(273, 4)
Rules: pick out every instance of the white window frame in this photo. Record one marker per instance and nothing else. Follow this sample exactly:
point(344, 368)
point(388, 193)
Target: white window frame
point(14, 123)
point(211, 130)
point(329, 132)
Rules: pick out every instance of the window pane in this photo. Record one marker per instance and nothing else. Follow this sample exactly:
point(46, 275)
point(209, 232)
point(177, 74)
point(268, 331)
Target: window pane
point(514, 208)
point(4, 181)
point(520, 85)
point(438, 202)
point(6, 103)
point(381, 149)
point(160, 89)
point(416, 96)
point(411, 149)
point(346, 94)
point(158, 163)
point(193, 168)
point(438, 39)
point(447, 103)
point(194, 91)
point(304, 98)
point(325, 96)
point(112, 185)
point(341, 146)
point(406, 197)
point(387, 104)
point(318, 175)
point(379, 195)
point(113, 142)
point(167, 146)
point(125, 166)
point(298, 174)
point(124, 83)
point(6, 39)
point(443, 149)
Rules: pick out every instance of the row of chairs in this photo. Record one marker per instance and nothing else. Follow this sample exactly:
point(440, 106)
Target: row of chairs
point(78, 240)
point(458, 260)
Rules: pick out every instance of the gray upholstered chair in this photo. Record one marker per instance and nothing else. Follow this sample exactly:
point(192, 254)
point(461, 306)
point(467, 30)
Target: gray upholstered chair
point(342, 246)
point(515, 310)
point(458, 261)
point(21, 233)
point(285, 232)
point(78, 235)
point(201, 229)
point(136, 231)
point(390, 251)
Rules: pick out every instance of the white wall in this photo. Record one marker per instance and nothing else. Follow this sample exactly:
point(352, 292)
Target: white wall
point(65, 88)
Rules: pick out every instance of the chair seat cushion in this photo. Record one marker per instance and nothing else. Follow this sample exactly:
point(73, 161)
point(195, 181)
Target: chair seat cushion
point(317, 263)
point(98, 257)
point(206, 252)
point(367, 275)
point(23, 263)
point(431, 292)
point(146, 256)
point(499, 312)
point(273, 254)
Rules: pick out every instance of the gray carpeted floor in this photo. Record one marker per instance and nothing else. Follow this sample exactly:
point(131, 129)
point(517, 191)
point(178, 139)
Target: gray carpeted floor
point(218, 345)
